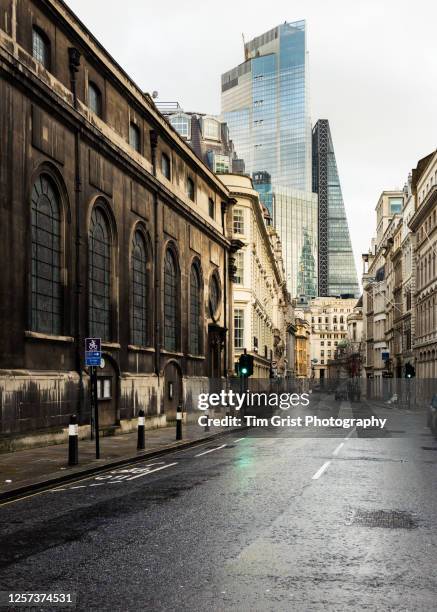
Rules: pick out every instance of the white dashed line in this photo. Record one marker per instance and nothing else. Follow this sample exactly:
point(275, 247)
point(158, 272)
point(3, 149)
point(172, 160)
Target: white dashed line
point(151, 471)
point(350, 433)
point(321, 470)
point(239, 439)
point(211, 450)
point(337, 450)
point(99, 484)
point(79, 487)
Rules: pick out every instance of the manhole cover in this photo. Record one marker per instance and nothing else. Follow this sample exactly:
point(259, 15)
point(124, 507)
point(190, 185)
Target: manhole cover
point(388, 519)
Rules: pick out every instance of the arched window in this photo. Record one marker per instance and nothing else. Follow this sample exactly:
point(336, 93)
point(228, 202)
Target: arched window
point(195, 335)
point(134, 137)
point(41, 47)
point(214, 296)
point(171, 286)
point(94, 99)
point(99, 276)
point(46, 258)
point(190, 189)
point(140, 290)
point(165, 166)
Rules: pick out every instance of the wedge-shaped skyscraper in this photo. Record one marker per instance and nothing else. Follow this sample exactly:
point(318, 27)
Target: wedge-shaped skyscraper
point(337, 271)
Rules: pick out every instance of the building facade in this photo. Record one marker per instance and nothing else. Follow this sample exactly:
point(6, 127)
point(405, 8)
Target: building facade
point(265, 102)
point(262, 308)
point(424, 225)
point(327, 318)
point(336, 266)
point(206, 135)
point(303, 352)
point(111, 226)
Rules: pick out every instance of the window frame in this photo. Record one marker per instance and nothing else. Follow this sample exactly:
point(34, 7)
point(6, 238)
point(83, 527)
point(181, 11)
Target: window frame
point(139, 239)
point(166, 166)
point(93, 324)
point(172, 294)
point(195, 324)
point(134, 129)
point(191, 189)
point(41, 35)
point(98, 109)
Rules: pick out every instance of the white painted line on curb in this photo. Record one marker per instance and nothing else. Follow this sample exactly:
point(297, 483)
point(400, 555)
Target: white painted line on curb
point(239, 439)
point(211, 450)
point(337, 450)
point(321, 470)
point(151, 471)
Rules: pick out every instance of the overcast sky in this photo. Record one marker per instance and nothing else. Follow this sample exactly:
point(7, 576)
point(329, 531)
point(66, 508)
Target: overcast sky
point(372, 74)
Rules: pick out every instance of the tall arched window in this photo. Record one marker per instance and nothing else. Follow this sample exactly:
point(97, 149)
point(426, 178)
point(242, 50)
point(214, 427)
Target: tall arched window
point(140, 290)
point(195, 335)
point(41, 47)
point(171, 285)
point(99, 276)
point(46, 258)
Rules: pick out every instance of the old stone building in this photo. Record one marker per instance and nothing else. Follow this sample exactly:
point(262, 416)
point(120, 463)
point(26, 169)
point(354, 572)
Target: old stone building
point(110, 226)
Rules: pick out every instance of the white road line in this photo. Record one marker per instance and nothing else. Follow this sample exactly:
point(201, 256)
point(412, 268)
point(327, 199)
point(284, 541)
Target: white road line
point(99, 484)
point(239, 439)
point(151, 471)
point(321, 470)
point(56, 490)
point(79, 487)
point(337, 450)
point(211, 450)
point(350, 433)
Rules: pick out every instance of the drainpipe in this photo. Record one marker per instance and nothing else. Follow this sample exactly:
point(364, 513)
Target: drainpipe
point(225, 294)
point(156, 271)
point(74, 63)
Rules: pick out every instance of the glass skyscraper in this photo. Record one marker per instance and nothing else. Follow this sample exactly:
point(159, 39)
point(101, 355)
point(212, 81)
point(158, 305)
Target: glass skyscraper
point(265, 103)
point(337, 272)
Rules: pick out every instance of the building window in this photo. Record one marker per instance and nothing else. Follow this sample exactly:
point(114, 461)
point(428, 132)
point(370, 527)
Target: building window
point(211, 208)
point(238, 221)
point(41, 47)
point(46, 258)
point(171, 286)
point(210, 129)
point(165, 166)
point(195, 310)
point(99, 276)
point(214, 296)
point(94, 99)
point(104, 388)
point(182, 124)
point(140, 290)
point(190, 189)
point(238, 328)
point(395, 205)
point(239, 263)
point(134, 137)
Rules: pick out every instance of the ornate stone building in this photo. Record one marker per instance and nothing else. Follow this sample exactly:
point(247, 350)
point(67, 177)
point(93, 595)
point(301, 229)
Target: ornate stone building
point(262, 307)
point(110, 226)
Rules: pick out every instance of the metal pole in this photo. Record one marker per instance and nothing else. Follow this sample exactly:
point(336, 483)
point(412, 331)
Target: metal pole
point(96, 409)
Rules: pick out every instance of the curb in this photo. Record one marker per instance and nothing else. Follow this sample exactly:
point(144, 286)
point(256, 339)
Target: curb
point(42, 485)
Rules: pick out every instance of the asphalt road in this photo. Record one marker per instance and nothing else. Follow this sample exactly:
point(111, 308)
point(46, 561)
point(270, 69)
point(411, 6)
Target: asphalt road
point(241, 523)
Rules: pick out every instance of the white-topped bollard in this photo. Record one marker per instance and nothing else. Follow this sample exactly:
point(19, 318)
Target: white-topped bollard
point(179, 422)
point(141, 430)
point(73, 437)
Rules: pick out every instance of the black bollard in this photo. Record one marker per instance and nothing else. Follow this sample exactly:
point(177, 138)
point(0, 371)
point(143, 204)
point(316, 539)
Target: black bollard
point(179, 422)
point(207, 421)
point(73, 446)
point(141, 431)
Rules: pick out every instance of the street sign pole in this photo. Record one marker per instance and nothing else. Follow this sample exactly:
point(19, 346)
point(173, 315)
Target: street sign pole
point(96, 409)
point(93, 359)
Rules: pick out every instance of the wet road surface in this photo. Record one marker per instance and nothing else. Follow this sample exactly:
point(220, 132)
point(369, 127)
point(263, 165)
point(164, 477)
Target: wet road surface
point(241, 523)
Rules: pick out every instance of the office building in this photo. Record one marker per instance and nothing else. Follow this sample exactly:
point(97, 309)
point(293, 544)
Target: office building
point(337, 271)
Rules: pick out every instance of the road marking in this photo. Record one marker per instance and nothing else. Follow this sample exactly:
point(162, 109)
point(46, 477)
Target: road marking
point(151, 471)
point(79, 487)
point(211, 450)
point(321, 470)
point(239, 439)
point(350, 433)
point(99, 484)
point(337, 450)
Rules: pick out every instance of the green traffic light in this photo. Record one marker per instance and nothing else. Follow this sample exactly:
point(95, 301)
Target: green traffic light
point(244, 370)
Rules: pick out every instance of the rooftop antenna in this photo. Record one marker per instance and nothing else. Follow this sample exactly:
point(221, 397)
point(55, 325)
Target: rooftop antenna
point(246, 53)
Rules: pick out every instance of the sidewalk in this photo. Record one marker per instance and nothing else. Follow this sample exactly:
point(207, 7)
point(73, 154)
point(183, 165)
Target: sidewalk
point(38, 467)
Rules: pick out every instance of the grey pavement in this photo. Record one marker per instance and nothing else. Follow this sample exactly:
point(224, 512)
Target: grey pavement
point(240, 523)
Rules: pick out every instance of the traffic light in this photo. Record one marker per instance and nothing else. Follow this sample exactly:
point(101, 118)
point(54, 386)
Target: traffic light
point(410, 371)
point(245, 365)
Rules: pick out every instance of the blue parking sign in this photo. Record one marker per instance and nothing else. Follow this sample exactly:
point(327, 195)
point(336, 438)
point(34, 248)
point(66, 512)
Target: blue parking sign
point(93, 351)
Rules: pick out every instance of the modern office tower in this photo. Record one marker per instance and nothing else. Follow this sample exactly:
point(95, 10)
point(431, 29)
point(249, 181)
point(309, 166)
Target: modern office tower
point(265, 104)
point(337, 272)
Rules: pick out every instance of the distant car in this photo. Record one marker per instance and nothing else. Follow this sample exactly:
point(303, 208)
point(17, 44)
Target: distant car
point(432, 415)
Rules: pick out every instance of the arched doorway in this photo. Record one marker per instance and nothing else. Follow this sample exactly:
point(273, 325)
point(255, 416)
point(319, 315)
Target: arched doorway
point(172, 389)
